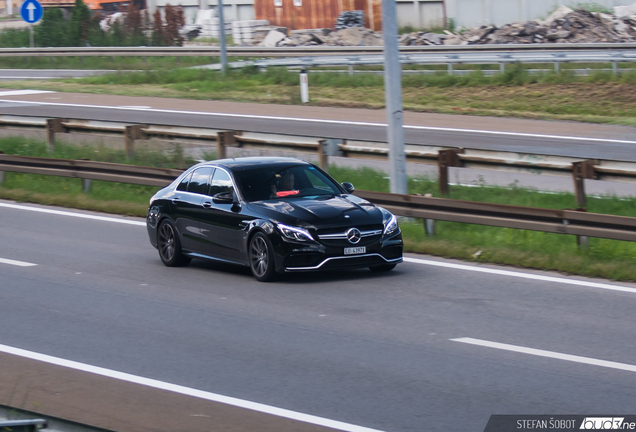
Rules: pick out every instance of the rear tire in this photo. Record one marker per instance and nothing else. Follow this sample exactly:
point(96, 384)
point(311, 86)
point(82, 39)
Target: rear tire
point(383, 268)
point(169, 245)
point(261, 258)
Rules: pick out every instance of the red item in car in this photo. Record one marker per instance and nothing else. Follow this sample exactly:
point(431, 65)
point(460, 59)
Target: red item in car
point(287, 193)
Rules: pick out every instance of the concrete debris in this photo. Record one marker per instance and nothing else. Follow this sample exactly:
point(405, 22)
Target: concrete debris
point(273, 38)
point(564, 25)
point(353, 36)
point(625, 11)
point(558, 14)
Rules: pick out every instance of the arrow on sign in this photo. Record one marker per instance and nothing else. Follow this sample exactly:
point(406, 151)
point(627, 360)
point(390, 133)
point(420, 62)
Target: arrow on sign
point(31, 8)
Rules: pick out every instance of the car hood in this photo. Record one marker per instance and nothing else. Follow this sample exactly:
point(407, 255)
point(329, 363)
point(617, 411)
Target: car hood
point(321, 212)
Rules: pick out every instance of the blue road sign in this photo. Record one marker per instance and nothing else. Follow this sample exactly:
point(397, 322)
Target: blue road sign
point(31, 11)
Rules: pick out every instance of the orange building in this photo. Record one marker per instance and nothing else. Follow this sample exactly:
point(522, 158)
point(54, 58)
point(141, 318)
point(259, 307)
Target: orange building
point(311, 14)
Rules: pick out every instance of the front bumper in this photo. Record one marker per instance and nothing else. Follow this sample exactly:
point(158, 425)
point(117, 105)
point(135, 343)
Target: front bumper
point(317, 256)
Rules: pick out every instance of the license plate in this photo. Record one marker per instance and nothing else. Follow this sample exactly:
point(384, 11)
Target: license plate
point(355, 250)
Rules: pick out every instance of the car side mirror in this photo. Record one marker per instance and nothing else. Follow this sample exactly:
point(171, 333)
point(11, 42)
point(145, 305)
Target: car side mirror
point(223, 198)
point(348, 187)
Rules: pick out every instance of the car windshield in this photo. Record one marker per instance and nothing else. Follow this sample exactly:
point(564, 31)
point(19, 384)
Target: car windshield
point(274, 183)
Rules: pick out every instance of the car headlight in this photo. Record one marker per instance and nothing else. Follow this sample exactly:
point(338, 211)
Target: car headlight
point(295, 233)
point(390, 224)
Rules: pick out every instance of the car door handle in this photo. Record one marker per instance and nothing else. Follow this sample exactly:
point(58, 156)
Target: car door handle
point(175, 200)
point(207, 204)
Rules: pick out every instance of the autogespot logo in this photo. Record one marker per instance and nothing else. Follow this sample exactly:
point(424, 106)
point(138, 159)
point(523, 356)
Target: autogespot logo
point(353, 235)
point(603, 423)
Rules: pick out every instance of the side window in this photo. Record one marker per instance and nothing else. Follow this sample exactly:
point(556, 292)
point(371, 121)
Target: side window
point(200, 180)
point(221, 182)
point(183, 186)
point(316, 182)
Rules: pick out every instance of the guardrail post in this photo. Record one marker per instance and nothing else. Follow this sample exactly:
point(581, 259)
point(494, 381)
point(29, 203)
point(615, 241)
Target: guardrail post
point(326, 148)
point(581, 171)
point(86, 185)
point(615, 68)
point(2, 177)
point(429, 224)
point(446, 159)
point(132, 133)
point(53, 126)
point(223, 140)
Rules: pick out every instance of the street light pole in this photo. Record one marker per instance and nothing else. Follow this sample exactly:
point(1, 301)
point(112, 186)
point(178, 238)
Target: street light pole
point(393, 95)
point(222, 37)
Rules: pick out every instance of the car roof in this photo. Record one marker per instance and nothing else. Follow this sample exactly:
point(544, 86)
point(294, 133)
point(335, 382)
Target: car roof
point(239, 164)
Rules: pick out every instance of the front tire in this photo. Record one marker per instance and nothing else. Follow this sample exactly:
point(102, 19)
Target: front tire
point(169, 245)
point(261, 258)
point(383, 268)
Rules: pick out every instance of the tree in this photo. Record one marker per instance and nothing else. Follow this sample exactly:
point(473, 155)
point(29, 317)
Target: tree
point(157, 29)
point(81, 24)
point(52, 31)
point(174, 21)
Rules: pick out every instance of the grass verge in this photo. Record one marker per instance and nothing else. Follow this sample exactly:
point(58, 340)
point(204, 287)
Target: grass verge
point(598, 98)
point(608, 259)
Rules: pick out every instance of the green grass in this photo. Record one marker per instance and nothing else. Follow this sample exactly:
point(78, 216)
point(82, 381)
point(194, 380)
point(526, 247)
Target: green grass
point(515, 75)
point(108, 197)
point(604, 258)
point(599, 98)
point(106, 63)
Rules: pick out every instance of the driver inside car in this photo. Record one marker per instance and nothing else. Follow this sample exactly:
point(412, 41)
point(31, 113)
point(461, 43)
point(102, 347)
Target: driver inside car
point(284, 186)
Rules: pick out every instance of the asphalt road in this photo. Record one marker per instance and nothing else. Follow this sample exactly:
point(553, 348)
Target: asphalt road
point(44, 74)
point(513, 135)
point(379, 351)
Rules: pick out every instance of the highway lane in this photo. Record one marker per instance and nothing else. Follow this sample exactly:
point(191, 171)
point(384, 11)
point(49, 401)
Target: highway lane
point(525, 136)
point(366, 349)
point(44, 74)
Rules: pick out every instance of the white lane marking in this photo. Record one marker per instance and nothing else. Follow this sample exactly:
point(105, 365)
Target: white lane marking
point(254, 406)
point(549, 354)
point(16, 263)
point(23, 92)
point(71, 214)
point(531, 276)
point(406, 259)
point(310, 120)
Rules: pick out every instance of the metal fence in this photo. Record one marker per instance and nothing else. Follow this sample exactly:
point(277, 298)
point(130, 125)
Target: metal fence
point(443, 157)
point(573, 222)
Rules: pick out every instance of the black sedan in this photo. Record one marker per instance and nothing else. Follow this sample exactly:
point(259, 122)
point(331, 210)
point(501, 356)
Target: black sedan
point(274, 215)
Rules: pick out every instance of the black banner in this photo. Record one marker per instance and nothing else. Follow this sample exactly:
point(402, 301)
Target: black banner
point(554, 423)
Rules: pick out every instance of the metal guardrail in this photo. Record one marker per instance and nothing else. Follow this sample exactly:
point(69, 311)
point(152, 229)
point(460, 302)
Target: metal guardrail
point(572, 222)
point(451, 59)
point(22, 425)
point(443, 157)
point(202, 51)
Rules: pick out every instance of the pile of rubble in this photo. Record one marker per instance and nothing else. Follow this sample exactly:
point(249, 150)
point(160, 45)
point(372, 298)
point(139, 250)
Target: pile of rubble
point(352, 36)
point(563, 26)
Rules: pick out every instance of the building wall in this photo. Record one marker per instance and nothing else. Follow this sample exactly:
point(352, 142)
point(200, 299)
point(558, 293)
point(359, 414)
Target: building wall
point(475, 13)
point(233, 10)
point(307, 14)
point(420, 14)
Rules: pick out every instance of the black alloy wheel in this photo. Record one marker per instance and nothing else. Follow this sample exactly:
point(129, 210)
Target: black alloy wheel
point(169, 245)
point(383, 268)
point(261, 258)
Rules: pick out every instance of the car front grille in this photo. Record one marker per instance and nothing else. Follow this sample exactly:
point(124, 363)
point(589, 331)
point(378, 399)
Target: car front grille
point(338, 236)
